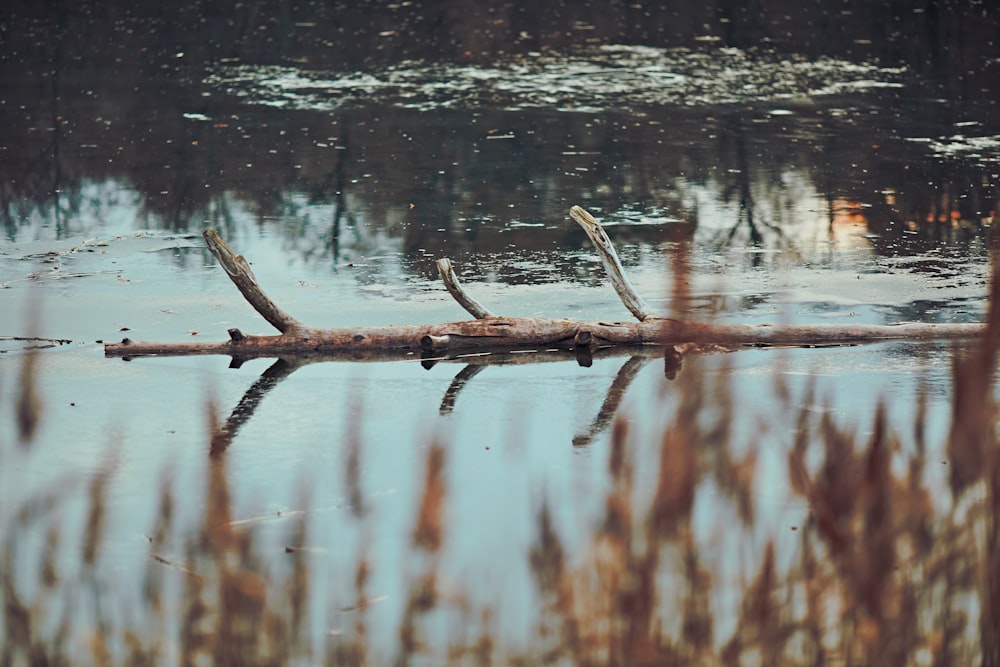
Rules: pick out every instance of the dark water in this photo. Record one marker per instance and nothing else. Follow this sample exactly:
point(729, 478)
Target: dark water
point(835, 162)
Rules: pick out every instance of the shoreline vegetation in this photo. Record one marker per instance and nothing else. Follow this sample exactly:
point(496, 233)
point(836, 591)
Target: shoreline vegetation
point(885, 569)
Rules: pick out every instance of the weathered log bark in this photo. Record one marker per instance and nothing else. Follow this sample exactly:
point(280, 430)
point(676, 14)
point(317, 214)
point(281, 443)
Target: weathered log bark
point(454, 288)
point(238, 270)
point(494, 333)
point(613, 267)
point(500, 333)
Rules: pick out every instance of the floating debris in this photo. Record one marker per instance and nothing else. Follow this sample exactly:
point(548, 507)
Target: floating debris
point(609, 77)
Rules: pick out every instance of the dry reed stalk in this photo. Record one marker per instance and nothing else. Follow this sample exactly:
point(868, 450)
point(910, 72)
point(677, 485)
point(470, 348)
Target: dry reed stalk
point(427, 538)
point(29, 402)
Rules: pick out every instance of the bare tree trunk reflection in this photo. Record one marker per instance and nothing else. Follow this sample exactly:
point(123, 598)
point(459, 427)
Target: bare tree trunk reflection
point(339, 188)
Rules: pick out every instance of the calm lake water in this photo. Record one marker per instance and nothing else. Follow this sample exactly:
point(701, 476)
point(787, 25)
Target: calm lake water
point(800, 187)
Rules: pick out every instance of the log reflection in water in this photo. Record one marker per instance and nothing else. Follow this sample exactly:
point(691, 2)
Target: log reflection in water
point(612, 400)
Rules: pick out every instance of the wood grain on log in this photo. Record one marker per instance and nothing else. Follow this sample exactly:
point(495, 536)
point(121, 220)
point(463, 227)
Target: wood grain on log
point(612, 265)
point(500, 333)
point(238, 270)
point(450, 280)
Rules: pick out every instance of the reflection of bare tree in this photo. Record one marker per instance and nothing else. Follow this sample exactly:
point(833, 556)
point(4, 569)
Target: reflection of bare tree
point(412, 173)
point(42, 174)
point(220, 214)
point(317, 241)
point(745, 194)
point(741, 188)
point(340, 199)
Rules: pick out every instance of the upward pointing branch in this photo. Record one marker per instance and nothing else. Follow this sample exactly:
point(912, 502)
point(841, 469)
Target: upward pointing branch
point(450, 280)
point(626, 292)
point(239, 272)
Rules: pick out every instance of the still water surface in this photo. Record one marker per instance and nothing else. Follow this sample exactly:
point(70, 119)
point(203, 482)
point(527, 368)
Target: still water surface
point(797, 189)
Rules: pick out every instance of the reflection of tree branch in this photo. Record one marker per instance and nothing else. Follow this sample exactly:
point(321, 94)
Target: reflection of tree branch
point(746, 194)
point(460, 380)
point(747, 205)
point(612, 399)
point(220, 213)
point(339, 200)
point(281, 369)
point(244, 410)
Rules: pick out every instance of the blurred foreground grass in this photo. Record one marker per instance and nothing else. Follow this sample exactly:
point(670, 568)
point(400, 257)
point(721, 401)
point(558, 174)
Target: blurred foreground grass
point(884, 570)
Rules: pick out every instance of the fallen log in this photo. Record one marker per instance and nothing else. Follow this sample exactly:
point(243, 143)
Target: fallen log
point(489, 332)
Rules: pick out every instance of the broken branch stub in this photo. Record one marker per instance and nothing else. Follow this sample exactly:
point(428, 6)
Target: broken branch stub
point(499, 334)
